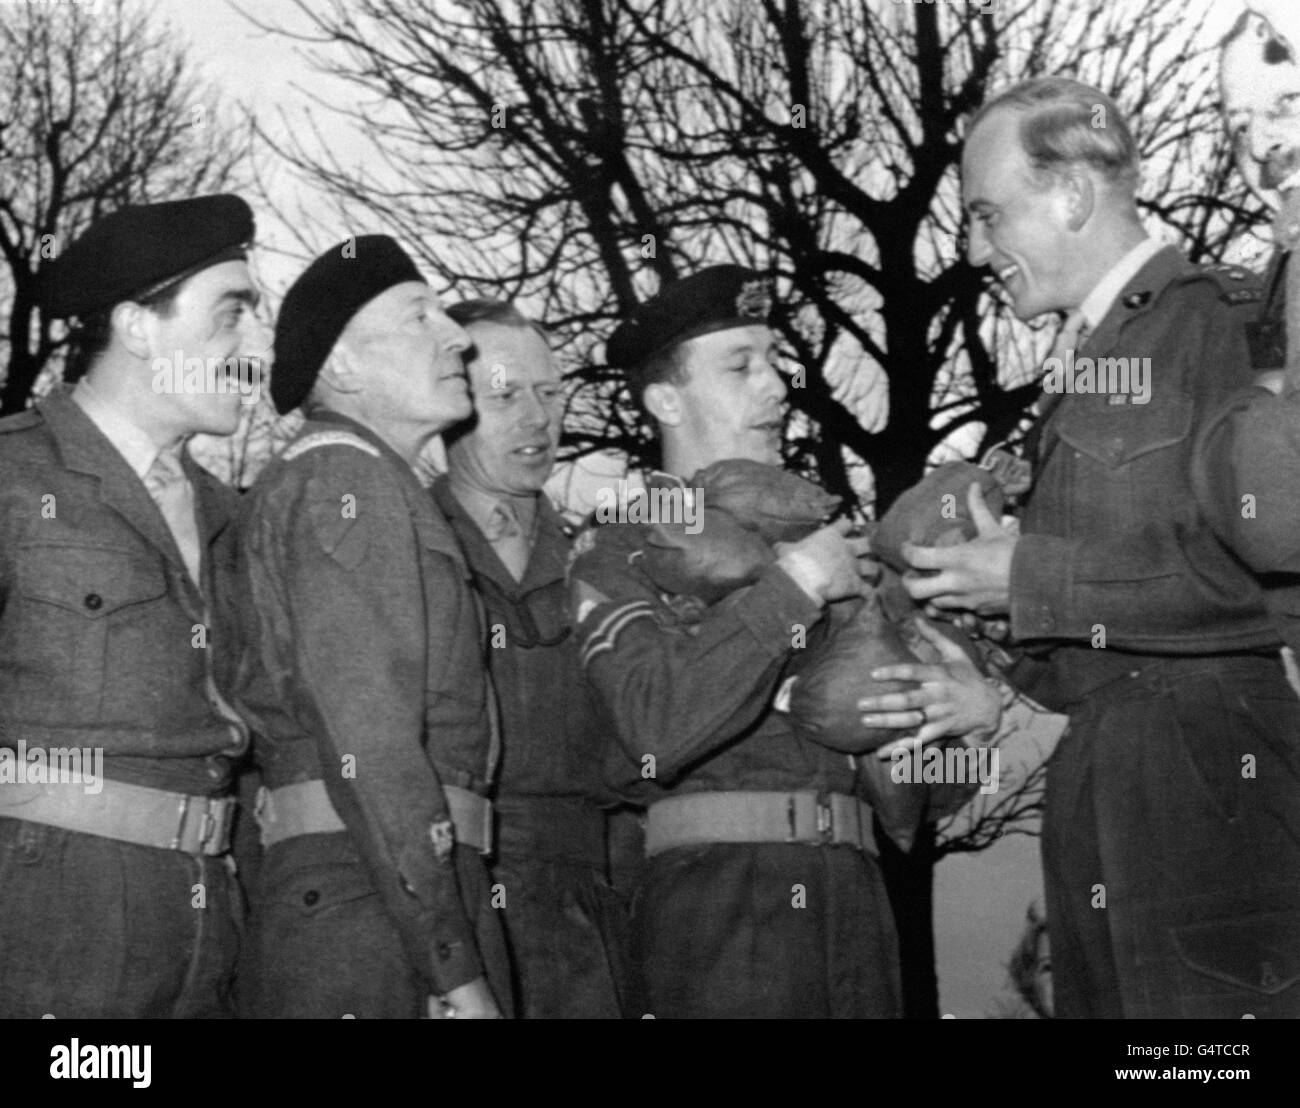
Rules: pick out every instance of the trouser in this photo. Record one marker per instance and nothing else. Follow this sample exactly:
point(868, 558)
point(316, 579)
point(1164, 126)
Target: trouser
point(323, 945)
point(94, 928)
point(564, 924)
point(1171, 845)
point(564, 935)
point(764, 930)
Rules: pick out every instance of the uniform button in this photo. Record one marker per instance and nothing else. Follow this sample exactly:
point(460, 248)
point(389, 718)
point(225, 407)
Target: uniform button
point(310, 897)
point(444, 951)
point(93, 601)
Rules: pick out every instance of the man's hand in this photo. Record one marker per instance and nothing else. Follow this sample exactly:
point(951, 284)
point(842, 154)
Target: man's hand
point(974, 575)
point(826, 564)
point(465, 1002)
point(951, 698)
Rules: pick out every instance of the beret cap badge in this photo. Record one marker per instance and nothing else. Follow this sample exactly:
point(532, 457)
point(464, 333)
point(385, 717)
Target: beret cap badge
point(754, 300)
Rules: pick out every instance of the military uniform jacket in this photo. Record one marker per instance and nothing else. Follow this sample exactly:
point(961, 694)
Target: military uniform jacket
point(552, 724)
point(1246, 471)
point(1112, 538)
point(691, 688)
point(105, 641)
point(362, 665)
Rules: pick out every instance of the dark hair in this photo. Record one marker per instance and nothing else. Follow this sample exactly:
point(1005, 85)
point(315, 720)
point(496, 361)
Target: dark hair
point(664, 366)
point(89, 337)
point(1059, 127)
point(501, 312)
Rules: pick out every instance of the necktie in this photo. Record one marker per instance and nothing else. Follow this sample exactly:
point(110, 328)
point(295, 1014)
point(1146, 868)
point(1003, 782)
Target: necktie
point(172, 492)
point(507, 537)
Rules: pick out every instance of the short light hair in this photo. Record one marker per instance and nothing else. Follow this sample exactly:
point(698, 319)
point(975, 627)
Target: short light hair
point(501, 312)
point(1059, 127)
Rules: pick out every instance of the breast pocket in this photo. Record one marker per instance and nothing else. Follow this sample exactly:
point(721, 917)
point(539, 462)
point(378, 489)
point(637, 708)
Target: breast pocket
point(72, 603)
point(1128, 459)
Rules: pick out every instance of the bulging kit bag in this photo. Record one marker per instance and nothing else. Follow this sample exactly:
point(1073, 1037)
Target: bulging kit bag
point(744, 509)
point(935, 512)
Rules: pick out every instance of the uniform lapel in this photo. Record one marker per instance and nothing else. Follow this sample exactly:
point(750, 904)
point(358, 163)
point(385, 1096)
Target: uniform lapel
point(482, 557)
point(84, 449)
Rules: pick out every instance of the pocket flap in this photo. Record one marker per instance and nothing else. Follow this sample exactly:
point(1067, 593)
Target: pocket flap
point(1118, 434)
point(1259, 952)
point(94, 581)
point(315, 888)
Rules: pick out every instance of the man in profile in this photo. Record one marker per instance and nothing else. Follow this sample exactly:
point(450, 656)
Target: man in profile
point(116, 895)
point(362, 669)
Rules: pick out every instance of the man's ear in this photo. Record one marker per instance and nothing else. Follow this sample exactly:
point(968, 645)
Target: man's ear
point(130, 324)
point(663, 400)
point(340, 372)
point(1079, 196)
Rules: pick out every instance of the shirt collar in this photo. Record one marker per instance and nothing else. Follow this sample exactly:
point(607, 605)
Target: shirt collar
point(479, 505)
point(126, 436)
point(1098, 302)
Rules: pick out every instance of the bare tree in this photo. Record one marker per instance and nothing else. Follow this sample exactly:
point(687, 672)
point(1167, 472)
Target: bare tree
point(577, 152)
point(101, 110)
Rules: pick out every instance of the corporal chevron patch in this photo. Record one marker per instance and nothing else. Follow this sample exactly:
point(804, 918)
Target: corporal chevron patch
point(605, 636)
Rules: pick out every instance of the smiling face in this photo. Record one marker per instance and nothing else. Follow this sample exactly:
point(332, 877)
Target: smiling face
point(211, 319)
point(1019, 223)
point(519, 405)
point(405, 354)
point(729, 404)
point(1259, 81)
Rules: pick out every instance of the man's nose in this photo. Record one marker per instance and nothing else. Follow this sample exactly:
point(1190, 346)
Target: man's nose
point(453, 335)
point(258, 337)
point(774, 384)
point(534, 412)
point(1264, 138)
point(978, 250)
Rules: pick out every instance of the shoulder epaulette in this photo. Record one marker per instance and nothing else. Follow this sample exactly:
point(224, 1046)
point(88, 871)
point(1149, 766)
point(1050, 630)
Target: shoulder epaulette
point(328, 438)
point(1237, 284)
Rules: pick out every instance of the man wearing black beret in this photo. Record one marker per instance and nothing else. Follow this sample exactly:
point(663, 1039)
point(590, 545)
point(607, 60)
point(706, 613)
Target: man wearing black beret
point(116, 745)
point(362, 668)
point(761, 896)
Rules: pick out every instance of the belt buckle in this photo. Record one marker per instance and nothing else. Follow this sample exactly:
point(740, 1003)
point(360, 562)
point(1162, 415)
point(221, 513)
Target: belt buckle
point(182, 815)
point(825, 820)
point(216, 821)
point(212, 827)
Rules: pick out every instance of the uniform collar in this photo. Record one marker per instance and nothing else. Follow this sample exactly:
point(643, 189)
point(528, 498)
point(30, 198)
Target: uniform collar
point(1099, 302)
point(480, 505)
point(84, 448)
point(546, 561)
point(1137, 296)
point(337, 419)
point(126, 436)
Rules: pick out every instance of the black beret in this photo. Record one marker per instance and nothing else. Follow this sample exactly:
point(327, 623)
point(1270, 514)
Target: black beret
point(141, 249)
point(319, 304)
point(714, 299)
